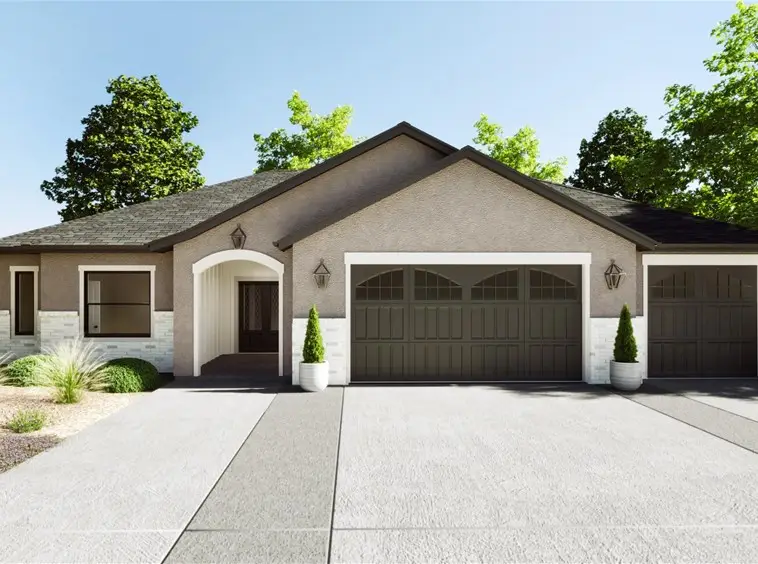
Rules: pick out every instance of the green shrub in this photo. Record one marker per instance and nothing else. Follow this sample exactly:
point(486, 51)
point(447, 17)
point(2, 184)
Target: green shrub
point(27, 420)
point(625, 346)
point(128, 375)
point(313, 347)
point(72, 367)
point(23, 371)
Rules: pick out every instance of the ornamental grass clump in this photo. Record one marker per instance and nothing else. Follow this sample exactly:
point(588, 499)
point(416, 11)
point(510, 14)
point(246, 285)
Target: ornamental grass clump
point(72, 367)
point(313, 347)
point(625, 346)
point(27, 421)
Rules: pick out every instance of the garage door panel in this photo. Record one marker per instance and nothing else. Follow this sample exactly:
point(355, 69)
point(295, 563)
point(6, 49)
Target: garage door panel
point(674, 321)
point(702, 321)
point(728, 321)
point(556, 361)
point(378, 361)
point(467, 323)
point(490, 321)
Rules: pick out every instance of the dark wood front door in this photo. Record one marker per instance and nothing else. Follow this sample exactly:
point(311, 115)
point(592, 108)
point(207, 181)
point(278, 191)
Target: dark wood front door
point(258, 317)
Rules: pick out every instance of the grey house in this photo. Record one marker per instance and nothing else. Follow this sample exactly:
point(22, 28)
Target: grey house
point(444, 265)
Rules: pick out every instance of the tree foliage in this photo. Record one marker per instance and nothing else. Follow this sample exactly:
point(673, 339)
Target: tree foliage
point(520, 151)
point(706, 162)
point(625, 345)
point(620, 134)
point(132, 150)
point(319, 138)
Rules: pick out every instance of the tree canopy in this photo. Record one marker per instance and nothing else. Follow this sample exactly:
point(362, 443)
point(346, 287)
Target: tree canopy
point(520, 151)
point(706, 161)
point(319, 138)
point(132, 150)
point(622, 133)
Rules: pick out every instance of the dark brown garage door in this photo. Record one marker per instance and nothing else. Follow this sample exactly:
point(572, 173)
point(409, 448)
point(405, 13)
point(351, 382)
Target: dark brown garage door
point(702, 321)
point(466, 323)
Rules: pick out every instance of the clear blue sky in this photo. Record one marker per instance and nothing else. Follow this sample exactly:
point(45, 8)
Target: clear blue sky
point(558, 67)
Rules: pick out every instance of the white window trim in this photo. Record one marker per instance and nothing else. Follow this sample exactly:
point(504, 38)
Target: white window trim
point(416, 258)
point(690, 260)
point(13, 270)
point(84, 268)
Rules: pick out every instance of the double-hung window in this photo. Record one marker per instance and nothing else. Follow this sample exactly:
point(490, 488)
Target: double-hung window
point(117, 303)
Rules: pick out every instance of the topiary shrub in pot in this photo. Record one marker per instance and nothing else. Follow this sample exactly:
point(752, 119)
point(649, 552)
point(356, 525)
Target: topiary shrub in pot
point(626, 373)
point(314, 370)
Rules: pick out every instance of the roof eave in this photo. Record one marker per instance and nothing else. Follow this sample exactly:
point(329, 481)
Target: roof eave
point(35, 249)
point(733, 248)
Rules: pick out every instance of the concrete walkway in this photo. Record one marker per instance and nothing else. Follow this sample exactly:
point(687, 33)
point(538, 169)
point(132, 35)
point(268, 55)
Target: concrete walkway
point(124, 489)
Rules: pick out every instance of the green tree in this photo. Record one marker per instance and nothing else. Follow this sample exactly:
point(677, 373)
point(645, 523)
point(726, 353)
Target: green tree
point(319, 138)
point(706, 163)
point(622, 133)
point(521, 151)
point(132, 150)
point(313, 346)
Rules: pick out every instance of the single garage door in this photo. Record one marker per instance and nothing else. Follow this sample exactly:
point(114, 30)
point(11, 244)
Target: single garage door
point(702, 321)
point(466, 323)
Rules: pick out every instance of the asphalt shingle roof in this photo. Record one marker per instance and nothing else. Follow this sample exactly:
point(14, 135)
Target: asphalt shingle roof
point(143, 223)
point(665, 226)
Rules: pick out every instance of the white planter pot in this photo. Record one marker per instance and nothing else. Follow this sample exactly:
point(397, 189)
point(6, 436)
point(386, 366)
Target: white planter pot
point(626, 376)
point(314, 377)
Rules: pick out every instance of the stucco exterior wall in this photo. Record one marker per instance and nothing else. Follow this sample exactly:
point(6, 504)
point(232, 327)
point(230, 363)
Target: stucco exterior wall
point(59, 277)
point(6, 261)
point(462, 208)
point(276, 218)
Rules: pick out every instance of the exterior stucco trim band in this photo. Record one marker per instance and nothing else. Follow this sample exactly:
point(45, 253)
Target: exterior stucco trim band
point(465, 258)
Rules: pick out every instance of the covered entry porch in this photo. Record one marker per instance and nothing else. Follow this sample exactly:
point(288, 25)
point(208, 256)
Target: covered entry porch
point(238, 315)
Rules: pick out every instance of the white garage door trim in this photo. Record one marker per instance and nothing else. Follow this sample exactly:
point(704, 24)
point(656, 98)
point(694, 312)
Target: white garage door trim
point(690, 260)
point(414, 258)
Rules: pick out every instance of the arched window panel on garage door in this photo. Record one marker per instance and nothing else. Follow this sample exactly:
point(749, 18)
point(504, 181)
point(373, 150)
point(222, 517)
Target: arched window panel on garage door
point(384, 286)
point(547, 286)
point(503, 286)
point(430, 286)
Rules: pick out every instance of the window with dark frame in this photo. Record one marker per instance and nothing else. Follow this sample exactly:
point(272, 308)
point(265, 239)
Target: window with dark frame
point(117, 304)
point(24, 303)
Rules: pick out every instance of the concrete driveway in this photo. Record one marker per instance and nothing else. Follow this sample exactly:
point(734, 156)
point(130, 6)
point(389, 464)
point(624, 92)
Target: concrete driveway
point(412, 474)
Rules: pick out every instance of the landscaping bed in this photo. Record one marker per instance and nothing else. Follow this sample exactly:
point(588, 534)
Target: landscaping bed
point(46, 398)
point(63, 420)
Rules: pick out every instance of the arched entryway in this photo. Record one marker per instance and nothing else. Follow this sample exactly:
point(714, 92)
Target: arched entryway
point(227, 287)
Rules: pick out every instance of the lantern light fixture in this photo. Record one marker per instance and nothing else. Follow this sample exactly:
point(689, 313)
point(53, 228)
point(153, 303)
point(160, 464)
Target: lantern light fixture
point(321, 275)
point(614, 275)
point(238, 237)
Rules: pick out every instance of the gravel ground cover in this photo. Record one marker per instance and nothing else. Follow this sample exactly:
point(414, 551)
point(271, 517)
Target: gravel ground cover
point(63, 420)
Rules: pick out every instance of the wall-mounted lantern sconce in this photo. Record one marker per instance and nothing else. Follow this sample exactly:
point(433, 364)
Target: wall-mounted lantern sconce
point(614, 275)
point(238, 237)
point(321, 275)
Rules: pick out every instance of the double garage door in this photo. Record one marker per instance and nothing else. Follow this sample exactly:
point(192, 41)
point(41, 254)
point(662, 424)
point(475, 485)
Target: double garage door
point(702, 321)
point(466, 323)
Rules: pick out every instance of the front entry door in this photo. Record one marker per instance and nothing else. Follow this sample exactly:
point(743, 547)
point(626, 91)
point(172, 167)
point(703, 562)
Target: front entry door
point(258, 317)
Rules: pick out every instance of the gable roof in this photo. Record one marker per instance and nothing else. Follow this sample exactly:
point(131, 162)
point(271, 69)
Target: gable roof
point(469, 153)
point(158, 225)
